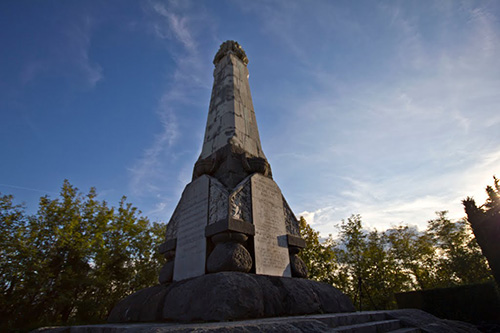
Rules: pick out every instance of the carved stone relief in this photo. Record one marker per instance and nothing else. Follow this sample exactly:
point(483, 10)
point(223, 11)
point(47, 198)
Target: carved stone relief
point(218, 204)
point(240, 202)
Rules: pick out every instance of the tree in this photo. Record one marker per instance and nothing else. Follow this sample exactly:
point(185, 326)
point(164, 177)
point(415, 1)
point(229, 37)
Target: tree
point(485, 223)
point(371, 266)
point(374, 274)
point(72, 260)
point(460, 260)
point(319, 257)
point(413, 252)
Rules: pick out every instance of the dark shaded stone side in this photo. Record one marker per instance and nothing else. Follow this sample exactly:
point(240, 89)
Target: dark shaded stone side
point(230, 165)
point(230, 296)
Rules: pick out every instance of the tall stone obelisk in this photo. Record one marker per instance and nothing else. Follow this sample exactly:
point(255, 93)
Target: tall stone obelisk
point(232, 242)
point(232, 216)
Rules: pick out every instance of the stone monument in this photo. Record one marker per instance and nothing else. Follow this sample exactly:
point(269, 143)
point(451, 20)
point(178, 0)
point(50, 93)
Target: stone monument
point(232, 216)
point(232, 242)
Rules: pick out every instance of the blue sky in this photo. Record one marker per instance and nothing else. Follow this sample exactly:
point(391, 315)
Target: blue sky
point(388, 109)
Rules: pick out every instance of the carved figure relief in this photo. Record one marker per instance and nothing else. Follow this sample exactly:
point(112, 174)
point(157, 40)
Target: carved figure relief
point(240, 202)
point(218, 202)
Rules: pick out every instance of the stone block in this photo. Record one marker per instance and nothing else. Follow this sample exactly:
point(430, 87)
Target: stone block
point(270, 242)
point(215, 297)
point(299, 268)
point(229, 257)
point(168, 245)
point(190, 254)
point(230, 225)
point(295, 241)
point(144, 305)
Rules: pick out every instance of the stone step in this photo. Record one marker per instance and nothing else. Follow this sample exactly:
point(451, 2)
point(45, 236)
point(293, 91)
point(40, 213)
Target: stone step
point(370, 327)
point(407, 330)
point(352, 318)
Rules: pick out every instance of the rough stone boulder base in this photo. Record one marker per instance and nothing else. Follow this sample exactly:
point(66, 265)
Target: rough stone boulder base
point(140, 306)
point(299, 268)
point(232, 257)
point(216, 297)
point(230, 296)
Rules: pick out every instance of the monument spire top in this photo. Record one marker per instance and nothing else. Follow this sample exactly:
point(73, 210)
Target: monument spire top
point(230, 47)
point(231, 147)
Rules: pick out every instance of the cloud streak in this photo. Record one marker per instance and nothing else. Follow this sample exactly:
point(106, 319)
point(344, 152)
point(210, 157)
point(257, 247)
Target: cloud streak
point(401, 144)
point(175, 26)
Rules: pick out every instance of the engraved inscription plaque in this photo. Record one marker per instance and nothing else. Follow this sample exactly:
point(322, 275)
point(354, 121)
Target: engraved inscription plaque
point(271, 251)
point(192, 219)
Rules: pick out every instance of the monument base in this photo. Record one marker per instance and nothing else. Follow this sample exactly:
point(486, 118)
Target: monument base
point(408, 321)
point(229, 296)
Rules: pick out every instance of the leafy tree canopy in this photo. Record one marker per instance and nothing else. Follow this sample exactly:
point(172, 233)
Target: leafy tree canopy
point(371, 266)
point(72, 260)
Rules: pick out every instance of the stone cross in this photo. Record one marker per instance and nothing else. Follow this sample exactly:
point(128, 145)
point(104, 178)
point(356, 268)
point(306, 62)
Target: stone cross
point(232, 216)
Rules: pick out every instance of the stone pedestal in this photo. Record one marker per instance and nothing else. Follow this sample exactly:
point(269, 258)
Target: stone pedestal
point(230, 296)
point(232, 242)
point(249, 229)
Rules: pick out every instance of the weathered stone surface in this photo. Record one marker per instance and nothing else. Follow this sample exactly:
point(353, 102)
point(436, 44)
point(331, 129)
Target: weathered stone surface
point(218, 204)
point(240, 196)
point(430, 323)
point(231, 296)
point(292, 225)
point(168, 245)
point(171, 231)
point(215, 297)
point(331, 299)
point(166, 272)
point(270, 241)
point(231, 118)
point(295, 241)
point(229, 257)
point(230, 47)
point(144, 305)
point(240, 202)
point(230, 225)
point(190, 254)
point(299, 268)
point(229, 236)
point(353, 322)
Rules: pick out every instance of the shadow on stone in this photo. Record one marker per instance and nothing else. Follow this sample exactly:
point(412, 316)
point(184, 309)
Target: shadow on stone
point(230, 296)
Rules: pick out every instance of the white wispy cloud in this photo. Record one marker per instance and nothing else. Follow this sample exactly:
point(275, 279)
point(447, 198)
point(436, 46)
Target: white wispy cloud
point(400, 146)
point(178, 26)
point(28, 189)
point(175, 26)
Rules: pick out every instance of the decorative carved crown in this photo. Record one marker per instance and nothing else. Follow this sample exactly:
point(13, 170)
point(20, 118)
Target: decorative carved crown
point(230, 47)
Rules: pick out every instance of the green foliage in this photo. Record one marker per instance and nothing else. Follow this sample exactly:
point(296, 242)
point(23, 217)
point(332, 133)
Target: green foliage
point(318, 256)
point(413, 252)
point(372, 266)
point(72, 260)
point(460, 260)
